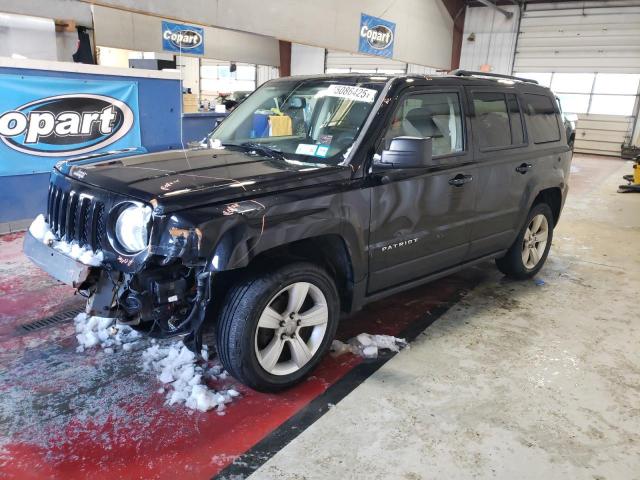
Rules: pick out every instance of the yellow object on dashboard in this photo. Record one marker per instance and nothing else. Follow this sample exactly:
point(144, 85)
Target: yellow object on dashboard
point(280, 125)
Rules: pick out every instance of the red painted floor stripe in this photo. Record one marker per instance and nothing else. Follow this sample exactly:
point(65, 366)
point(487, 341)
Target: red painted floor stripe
point(70, 415)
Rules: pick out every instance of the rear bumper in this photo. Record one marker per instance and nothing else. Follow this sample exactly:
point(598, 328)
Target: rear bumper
point(55, 263)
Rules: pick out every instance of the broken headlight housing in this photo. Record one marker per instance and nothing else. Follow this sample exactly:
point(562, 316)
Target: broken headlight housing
point(132, 227)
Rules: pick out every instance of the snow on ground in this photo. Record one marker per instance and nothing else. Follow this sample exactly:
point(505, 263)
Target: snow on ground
point(40, 230)
point(182, 374)
point(92, 331)
point(177, 366)
point(368, 346)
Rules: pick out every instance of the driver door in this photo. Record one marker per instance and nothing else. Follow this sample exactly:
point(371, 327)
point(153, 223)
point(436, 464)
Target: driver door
point(421, 217)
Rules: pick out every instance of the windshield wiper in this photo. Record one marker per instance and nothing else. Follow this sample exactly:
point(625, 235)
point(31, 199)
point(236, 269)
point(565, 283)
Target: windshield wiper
point(257, 147)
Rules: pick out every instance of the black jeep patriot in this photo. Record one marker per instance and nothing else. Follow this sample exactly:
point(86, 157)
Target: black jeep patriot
point(315, 196)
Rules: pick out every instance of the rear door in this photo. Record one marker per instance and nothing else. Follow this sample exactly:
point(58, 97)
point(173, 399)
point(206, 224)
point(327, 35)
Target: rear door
point(420, 218)
point(504, 162)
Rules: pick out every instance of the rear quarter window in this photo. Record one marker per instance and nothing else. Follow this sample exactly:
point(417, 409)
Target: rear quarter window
point(543, 120)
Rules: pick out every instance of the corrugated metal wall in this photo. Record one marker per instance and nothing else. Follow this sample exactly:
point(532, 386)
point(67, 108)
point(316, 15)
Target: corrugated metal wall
point(584, 37)
point(489, 39)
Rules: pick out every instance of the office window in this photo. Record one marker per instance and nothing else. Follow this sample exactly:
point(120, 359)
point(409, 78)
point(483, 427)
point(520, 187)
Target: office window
point(542, 118)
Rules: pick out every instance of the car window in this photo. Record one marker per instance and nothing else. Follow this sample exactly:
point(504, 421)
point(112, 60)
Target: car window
point(435, 115)
point(542, 118)
point(491, 120)
point(313, 120)
point(515, 118)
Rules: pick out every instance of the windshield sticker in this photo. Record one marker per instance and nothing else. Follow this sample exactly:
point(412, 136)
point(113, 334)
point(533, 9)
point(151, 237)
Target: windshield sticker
point(357, 94)
point(322, 150)
point(325, 139)
point(306, 149)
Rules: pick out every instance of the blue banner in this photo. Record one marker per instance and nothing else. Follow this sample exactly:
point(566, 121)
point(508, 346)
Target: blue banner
point(44, 120)
point(376, 36)
point(180, 38)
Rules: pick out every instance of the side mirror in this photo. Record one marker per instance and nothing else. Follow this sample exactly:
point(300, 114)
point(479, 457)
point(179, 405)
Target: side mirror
point(408, 152)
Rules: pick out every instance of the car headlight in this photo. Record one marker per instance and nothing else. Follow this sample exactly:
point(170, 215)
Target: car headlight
point(132, 228)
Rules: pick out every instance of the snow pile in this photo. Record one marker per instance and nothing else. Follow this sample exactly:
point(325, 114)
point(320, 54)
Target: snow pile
point(367, 346)
point(177, 366)
point(92, 331)
point(41, 231)
point(182, 375)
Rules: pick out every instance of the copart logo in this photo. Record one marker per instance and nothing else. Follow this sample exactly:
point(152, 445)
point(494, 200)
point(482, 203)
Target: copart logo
point(183, 39)
point(66, 125)
point(378, 37)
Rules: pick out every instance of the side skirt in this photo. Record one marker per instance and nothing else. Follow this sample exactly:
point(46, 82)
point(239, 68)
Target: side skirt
point(361, 298)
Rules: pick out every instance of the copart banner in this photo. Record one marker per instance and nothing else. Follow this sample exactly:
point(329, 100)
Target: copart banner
point(44, 120)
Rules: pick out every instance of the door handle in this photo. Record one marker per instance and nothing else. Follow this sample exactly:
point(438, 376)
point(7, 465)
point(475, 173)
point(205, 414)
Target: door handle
point(460, 179)
point(523, 168)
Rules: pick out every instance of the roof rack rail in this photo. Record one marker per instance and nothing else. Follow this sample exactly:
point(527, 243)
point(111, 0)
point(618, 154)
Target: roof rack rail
point(470, 73)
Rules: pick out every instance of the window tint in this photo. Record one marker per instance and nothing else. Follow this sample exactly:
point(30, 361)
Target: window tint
point(542, 118)
point(498, 120)
point(435, 115)
point(515, 117)
point(491, 120)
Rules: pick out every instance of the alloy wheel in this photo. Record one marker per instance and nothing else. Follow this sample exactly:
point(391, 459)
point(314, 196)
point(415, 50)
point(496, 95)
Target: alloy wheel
point(534, 242)
point(291, 328)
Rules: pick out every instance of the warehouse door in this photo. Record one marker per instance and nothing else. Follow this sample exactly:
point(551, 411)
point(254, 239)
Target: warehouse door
point(590, 57)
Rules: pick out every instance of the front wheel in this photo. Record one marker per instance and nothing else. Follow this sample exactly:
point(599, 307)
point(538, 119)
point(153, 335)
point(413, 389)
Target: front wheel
point(530, 250)
point(275, 326)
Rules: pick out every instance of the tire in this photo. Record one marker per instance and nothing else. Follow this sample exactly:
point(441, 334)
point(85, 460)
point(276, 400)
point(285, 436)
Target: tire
point(247, 351)
point(516, 264)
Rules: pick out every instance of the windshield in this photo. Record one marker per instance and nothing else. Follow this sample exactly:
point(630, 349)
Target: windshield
point(314, 120)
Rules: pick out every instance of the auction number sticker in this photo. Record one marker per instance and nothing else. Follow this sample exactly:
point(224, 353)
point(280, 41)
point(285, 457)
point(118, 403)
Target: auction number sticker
point(306, 149)
point(357, 94)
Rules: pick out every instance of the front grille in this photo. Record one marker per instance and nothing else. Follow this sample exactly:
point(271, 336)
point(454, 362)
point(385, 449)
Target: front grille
point(74, 216)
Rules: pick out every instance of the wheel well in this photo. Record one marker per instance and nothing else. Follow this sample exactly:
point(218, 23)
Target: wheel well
point(327, 251)
point(553, 198)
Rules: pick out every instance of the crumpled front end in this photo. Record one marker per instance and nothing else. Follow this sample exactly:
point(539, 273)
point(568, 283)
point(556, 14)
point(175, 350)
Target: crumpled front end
point(164, 289)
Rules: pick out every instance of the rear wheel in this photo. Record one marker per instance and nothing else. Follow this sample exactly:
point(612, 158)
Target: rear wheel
point(530, 250)
point(275, 326)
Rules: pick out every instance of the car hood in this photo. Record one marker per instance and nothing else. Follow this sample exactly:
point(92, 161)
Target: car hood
point(178, 179)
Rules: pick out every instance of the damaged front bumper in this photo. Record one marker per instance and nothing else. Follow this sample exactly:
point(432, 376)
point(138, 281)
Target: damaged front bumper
point(55, 263)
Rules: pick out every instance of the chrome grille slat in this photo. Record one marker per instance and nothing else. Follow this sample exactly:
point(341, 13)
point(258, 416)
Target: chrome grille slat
point(70, 215)
point(79, 215)
point(62, 213)
point(50, 203)
point(56, 206)
point(74, 216)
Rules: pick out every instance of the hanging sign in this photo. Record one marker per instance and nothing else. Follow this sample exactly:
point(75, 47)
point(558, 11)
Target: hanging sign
point(376, 36)
point(180, 38)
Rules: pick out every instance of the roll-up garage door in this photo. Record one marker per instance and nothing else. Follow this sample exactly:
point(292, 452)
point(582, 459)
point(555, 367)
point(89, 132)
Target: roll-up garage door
point(589, 54)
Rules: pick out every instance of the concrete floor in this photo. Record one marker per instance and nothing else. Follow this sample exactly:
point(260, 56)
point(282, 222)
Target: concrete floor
point(535, 379)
